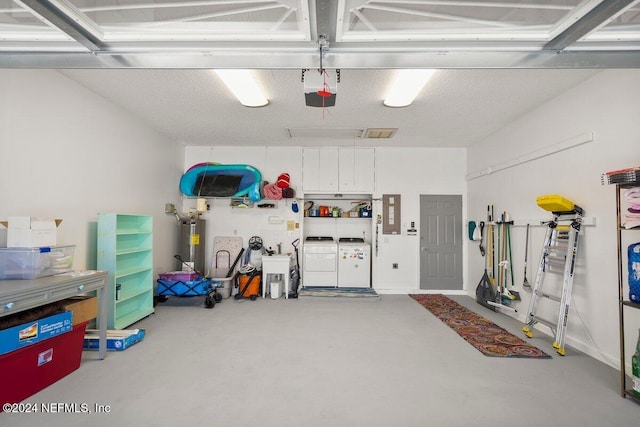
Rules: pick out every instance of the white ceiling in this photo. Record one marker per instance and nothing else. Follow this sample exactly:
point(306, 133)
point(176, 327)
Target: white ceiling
point(496, 59)
point(455, 109)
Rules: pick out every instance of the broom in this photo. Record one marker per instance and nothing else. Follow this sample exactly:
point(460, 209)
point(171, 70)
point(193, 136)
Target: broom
point(513, 292)
point(526, 284)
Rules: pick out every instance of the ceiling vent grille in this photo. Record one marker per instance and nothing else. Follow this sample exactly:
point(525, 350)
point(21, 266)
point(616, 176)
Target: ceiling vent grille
point(379, 133)
point(327, 133)
point(341, 133)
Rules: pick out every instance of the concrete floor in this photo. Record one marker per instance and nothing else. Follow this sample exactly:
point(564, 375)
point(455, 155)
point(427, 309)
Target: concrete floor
point(313, 361)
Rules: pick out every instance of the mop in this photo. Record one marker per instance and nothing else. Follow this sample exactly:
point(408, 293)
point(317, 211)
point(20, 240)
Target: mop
point(501, 297)
point(504, 264)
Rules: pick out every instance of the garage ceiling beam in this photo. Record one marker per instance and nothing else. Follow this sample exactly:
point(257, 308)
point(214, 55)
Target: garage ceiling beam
point(64, 23)
point(335, 57)
point(588, 23)
point(325, 20)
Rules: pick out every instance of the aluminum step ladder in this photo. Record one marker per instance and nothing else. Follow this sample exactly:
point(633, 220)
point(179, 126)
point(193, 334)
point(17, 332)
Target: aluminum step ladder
point(558, 257)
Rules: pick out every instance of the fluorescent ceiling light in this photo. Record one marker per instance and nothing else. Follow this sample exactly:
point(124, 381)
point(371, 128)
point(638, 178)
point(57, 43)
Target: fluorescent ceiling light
point(405, 88)
point(244, 87)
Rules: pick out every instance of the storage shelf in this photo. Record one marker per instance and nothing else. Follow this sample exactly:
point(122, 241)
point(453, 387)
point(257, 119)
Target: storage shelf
point(129, 319)
point(132, 251)
point(130, 272)
point(623, 301)
point(630, 304)
point(132, 295)
point(629, 394)
point(125, 250)
point(337, 217)
point(130, 232)
point(335, 198)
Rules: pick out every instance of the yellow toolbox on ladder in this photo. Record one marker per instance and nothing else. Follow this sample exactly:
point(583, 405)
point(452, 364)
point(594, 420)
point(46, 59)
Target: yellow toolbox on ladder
point(555, 203)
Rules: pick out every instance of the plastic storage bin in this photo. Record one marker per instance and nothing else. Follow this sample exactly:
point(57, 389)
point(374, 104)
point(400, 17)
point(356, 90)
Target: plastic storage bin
point(33, 263)
point(184, 276)
point(32, 368)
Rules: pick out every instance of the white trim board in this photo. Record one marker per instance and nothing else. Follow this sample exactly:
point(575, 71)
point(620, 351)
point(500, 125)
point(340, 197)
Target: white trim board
point(533, 155)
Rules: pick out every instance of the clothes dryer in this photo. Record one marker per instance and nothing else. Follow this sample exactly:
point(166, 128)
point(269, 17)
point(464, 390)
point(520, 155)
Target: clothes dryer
point(354, 263)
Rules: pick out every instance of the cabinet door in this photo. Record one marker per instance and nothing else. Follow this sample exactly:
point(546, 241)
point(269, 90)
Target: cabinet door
point(357, 170)
point(320, 169)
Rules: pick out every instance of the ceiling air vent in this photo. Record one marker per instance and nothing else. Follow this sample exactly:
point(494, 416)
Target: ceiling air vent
point(325, 133)
point(379, 133)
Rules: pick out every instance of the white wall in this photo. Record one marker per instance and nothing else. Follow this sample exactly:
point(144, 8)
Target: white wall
point(607, 106)
point(67, 153)
point(410, 173)
point(398, 171)
point(224, 220)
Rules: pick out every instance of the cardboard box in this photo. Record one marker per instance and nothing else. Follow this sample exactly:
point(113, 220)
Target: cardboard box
point(31, 232)
point(31, 369)
point(83, 308)
point(33, 263)
point(117, 340)
point(30, 333)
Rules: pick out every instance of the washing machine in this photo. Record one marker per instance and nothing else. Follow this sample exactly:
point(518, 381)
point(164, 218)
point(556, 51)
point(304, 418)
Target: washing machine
point(320, 261)
point(354, 263)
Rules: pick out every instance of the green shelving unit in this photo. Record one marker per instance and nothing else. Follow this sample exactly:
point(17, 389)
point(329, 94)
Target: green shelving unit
point(125, 251)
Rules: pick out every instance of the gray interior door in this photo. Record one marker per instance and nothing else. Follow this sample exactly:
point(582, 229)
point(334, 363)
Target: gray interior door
point(441, 236)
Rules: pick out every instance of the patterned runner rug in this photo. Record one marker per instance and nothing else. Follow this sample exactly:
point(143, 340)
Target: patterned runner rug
point(489, 338)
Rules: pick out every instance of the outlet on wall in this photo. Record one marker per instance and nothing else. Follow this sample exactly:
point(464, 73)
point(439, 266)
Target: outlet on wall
point(394, 265)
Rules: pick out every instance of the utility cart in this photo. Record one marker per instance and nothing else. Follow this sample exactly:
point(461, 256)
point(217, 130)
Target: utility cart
point(187, 284)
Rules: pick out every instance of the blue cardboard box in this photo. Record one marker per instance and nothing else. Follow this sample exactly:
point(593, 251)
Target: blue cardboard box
point(117, 340)
point(29, 333)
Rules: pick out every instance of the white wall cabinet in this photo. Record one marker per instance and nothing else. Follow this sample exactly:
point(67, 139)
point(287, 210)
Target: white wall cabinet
point(320, 170)
point(125, 251)
point(331, 170)
point(356, 170)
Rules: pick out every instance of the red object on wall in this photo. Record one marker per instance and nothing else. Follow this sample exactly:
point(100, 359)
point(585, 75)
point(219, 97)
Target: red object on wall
point(28, 370)
point(283, 180)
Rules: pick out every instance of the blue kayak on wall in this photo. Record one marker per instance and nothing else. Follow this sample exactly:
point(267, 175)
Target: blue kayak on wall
point(218, 180)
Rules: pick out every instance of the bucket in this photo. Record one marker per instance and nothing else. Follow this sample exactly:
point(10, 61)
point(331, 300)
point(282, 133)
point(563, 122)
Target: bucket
point(276, 289)
point(253, 287)
point(223, 287)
